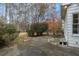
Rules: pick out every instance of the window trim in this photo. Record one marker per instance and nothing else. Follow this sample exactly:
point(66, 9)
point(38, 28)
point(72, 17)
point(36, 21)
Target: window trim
point(73, 34)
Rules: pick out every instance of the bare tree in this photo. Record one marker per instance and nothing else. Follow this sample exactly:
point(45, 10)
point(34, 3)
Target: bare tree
point(26, 14)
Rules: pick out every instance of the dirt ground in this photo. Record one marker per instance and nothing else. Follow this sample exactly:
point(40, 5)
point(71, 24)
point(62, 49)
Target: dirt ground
point(38, 46)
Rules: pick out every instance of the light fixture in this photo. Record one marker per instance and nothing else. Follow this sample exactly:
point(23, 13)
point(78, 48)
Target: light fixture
point(65, 6)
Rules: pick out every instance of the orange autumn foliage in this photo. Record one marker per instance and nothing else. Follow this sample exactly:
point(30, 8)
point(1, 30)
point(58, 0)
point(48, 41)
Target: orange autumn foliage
point(54, 25)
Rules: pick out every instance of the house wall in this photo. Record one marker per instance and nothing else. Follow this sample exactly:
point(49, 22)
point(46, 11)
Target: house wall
point(72, 39)
point(62, 24)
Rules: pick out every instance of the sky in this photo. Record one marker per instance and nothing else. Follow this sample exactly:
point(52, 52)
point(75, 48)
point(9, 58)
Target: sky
point(58, 8)
point(2, 9)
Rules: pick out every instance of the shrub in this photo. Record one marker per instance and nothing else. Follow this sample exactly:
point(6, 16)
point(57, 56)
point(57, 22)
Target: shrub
point(30, 33)
point(10, 33)
point(40, 28)
point(7, 34)
point(10, 29)
point(2, 32)
point(37, 28)
point(8, 38)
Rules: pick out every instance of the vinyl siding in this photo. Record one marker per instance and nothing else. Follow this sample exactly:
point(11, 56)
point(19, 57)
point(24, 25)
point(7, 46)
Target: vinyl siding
point(69, 36)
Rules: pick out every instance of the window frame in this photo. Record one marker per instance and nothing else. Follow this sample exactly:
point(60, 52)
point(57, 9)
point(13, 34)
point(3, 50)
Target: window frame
point(75, 34)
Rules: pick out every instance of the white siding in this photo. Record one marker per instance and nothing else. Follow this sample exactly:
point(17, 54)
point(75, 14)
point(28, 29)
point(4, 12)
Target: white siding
point(69, 36)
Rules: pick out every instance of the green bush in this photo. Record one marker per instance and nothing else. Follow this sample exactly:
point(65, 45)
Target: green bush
point(37, 28)
point(10, 29)
point(8, 38)
point(7, 33)
point(30, 33)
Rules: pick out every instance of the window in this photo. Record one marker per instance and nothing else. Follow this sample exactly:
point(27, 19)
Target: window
point(76, 23)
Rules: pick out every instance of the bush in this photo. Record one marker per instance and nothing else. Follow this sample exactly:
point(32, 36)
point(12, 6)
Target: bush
point(8, 38)
point(7, 34)
point(37, 28)
point(30, 33)
point(10, 29)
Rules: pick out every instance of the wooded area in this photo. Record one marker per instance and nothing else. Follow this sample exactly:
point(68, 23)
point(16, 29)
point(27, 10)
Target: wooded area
point(35, 19)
